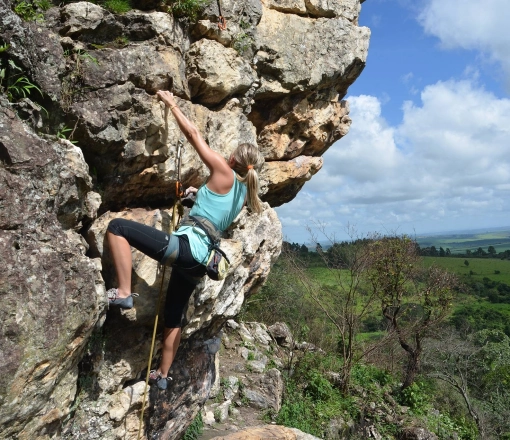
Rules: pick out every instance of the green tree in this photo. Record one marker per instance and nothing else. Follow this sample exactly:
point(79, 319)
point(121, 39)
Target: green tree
point(344, 301)
point(442, 252)
point(480, 252)
point(466, 263)
point(413, 300)
point(491, 251)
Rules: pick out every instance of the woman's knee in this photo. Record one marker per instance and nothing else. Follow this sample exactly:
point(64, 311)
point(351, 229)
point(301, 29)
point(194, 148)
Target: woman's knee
point(173, 318)
point(116, 226)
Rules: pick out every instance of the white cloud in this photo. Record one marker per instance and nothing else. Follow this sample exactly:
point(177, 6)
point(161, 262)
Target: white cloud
point(447, 163)
point(368, 152)
point(407, 77)
point(470, 24)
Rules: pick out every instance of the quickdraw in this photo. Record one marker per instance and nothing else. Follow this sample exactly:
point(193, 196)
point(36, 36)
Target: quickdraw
point(222, 23)
point(176, 214)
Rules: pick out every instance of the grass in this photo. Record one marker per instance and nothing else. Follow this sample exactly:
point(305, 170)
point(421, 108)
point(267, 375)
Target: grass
point(328, 277)
point(478, 267)
point(196, 428)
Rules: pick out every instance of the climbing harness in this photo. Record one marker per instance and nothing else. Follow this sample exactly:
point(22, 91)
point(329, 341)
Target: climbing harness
point(222, 23)
point(176, 213)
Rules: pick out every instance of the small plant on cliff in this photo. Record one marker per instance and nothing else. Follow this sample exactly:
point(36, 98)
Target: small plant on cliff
point(72, 83)
point(242, 41)
point(186, 8)
point(121, 41)
point(63, 133)
point(31, 10)
point(118, 6)
point(195, 429)
point(13, 82)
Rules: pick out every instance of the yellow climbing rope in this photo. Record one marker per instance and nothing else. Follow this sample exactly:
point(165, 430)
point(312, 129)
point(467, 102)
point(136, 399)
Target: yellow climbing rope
point(173, 226)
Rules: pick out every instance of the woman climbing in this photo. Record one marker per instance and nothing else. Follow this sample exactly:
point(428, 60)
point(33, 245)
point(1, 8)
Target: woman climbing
point(217, 204)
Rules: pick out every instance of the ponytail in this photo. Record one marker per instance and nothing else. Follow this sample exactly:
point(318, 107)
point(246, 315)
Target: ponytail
point(248, 161)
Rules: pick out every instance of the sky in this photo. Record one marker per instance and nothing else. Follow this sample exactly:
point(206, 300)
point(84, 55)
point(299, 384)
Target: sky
point(428, 150)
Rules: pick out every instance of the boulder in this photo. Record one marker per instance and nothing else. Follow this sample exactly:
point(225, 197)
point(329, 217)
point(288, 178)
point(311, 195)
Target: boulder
point(281, 334)
point(348, 9)
point(326, 53)
point(215, 72)
point(307, 129)
point(265, 391)
point(416, 433)
point(273, 432)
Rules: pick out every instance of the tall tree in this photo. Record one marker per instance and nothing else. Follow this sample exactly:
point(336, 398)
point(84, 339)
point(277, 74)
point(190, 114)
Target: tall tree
point(344, 302)
point(413, 300)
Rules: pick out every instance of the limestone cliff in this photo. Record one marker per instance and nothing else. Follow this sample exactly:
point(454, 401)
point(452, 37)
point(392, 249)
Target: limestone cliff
point(275, 77)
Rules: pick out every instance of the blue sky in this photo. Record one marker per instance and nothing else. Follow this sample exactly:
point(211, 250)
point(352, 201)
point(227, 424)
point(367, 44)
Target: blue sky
point(429, 147)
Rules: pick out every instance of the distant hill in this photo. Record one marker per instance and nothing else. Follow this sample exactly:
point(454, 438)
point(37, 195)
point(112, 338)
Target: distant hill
point(461, 241)
point(458, 241)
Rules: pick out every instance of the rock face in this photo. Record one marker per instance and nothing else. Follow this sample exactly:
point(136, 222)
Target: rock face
point(52, 294)
point(275, 77)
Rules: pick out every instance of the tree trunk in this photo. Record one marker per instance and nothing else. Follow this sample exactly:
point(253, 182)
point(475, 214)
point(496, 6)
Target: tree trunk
point(413, 354)
point(412, 368)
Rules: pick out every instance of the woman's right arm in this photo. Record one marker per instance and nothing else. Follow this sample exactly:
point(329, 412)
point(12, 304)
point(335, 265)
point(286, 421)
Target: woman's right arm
point(213, 160)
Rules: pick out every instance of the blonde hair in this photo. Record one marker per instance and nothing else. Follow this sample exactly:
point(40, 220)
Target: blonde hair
point(247, 163)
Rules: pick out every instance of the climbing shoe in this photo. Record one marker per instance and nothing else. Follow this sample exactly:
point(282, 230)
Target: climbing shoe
point(123, 303)
point(156, 378)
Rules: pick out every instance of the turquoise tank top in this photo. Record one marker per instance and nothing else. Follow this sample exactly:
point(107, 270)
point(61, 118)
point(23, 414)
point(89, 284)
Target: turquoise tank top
point(221, 209)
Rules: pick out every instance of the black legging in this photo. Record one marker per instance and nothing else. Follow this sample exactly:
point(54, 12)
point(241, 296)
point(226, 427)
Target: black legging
point(186, 271)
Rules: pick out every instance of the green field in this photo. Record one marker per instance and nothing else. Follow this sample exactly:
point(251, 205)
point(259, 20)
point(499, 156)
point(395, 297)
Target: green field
point(481, 267)
point(328, 277)
point(477, 269)
point(459, 243)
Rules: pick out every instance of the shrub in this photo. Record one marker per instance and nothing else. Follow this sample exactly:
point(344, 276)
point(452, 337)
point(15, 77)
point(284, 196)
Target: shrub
point(118, 6)
point(13, 82)
point(416, 397)
point(318, 388)
point(310, 401)
point(297, 411)
point(31, 10)
point(186, 8)
point(367, 375)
